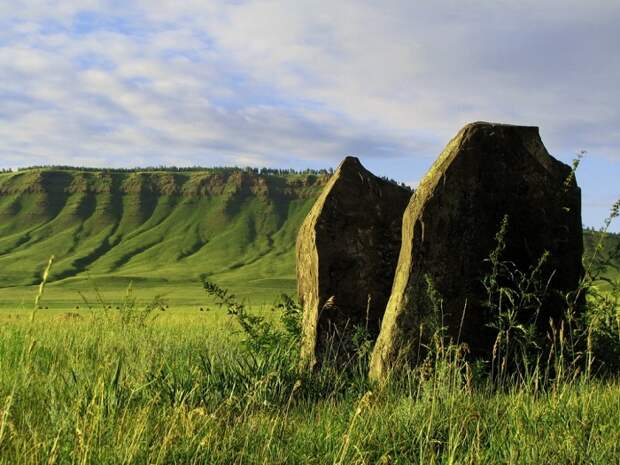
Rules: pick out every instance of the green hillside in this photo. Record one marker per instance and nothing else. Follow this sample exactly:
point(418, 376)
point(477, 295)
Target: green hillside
point(607, 259)
point(161, 230)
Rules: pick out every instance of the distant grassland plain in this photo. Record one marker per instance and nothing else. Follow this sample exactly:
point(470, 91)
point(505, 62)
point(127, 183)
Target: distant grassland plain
point(162, 231)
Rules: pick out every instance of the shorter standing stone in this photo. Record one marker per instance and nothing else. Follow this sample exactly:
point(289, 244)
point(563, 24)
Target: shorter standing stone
point(347, 250)
point(486, 172)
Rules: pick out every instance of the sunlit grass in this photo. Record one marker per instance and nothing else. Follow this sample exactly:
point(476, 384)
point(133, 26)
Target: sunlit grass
point(86, 389)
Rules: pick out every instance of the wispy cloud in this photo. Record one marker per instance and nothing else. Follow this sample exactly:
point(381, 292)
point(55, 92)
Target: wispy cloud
point(301, 83)
point(138, 88)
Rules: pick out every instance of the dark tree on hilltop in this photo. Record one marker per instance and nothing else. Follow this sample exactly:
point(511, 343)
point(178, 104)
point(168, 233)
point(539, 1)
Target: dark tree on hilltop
point(181, 169)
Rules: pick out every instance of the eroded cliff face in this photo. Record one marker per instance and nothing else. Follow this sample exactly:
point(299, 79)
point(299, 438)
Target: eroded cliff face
point(191, 183)
point(150, 222)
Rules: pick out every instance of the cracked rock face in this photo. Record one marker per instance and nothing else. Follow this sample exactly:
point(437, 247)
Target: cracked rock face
point(486, 172)
point(347, 249)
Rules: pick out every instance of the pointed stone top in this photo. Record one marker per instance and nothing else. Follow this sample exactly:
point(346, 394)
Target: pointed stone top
point(346, 250)
point(476, 137)
point(491, 125)
point(350, 163)
point(351, 167)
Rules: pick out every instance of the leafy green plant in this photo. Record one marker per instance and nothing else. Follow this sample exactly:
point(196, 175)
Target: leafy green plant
point(259, 334)
point(514, 300)
point(268, 366)
point(602, 290)
point(290, 316)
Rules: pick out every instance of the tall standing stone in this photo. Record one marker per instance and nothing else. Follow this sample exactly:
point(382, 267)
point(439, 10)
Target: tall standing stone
point(449, 227)
point(347, 250)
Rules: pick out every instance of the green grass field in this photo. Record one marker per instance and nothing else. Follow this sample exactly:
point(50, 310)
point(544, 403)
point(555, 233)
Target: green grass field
point(89, 377)
point(83, 388)
point(67, 295)
point(609, 252)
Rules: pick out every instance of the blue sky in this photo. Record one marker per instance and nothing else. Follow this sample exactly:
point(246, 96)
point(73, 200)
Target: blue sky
point(304, 83)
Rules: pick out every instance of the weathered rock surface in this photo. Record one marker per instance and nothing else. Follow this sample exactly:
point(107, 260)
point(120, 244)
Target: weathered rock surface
point(449, 227)
point(347, 249)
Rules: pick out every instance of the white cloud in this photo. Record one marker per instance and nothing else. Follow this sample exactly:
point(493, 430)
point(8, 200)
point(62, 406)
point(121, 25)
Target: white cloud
point(265, 80)
point(430, 68)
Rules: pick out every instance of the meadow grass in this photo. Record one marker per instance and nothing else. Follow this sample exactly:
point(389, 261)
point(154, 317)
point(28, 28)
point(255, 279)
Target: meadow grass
point(185, 295)
point(122, 381)
point(183, 386)
point(98, 375)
